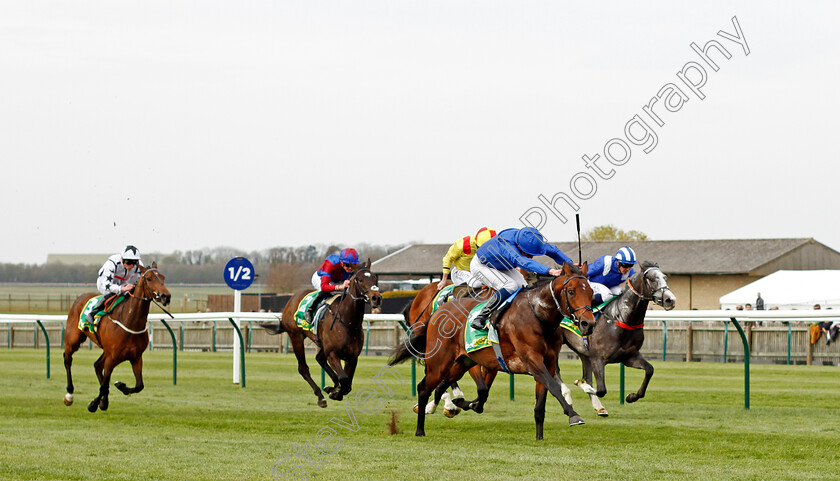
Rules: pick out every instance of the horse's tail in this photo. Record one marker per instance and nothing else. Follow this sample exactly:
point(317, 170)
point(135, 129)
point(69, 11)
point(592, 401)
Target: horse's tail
point(273, 328)
point(406, 311)
point(413, 346)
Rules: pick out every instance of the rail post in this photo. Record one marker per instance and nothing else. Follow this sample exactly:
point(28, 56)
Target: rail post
point(664, 340)
point(174, 353)
point(746, 363)
point(621, 383)
point(241, 352)
point(47, 340)
point(790, 333)
point(511, 386)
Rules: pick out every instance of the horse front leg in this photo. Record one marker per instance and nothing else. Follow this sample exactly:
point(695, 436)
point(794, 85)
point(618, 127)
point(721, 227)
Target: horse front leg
point(303, 368)
point(639, 362)
point(101, 401)
point(72, 340)
point(349, 372)
point(539, 408)
point(334, 361)
point(322, 361)
point(585, 383)
point(541, 371)
point(137, 368)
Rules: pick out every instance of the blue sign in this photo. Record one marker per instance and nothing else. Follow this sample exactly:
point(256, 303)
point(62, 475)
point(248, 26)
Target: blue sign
point(239, 273)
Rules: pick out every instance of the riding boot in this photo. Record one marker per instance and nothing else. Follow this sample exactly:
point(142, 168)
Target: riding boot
point(480, 320)
point(310, 311)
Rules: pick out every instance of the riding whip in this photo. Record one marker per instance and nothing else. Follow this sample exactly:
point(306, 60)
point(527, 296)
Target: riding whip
point(580, 255)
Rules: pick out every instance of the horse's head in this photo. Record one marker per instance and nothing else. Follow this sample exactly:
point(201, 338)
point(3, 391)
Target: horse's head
point(655, 286)
point(364, 286)
point(151, 285)
point(572, 295)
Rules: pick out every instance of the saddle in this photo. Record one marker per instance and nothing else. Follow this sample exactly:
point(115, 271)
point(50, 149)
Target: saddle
point(90, 305)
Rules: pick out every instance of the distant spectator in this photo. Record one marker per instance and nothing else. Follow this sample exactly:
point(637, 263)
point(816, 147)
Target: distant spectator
point(817, 307)
point(774, 308)
point(739, 307)
point(759, 303)
point(748, 307)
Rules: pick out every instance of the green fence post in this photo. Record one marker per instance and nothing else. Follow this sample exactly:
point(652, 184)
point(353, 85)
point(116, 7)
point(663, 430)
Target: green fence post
point(181, 335)
point(725, 340)
point(250, 333)
point(35, 336)
point(664, 339)
point(621, 383)
point(47, 338)
point(511, 386)
point(174, 353)
point(241, 353)
point(62, 333)
point(367, 336)
point(413, 378)
point(789, 335)
point(323, 379)
point(746, 363)
point(214, 336)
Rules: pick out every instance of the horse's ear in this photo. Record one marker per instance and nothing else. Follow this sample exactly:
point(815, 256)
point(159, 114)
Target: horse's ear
point(567, 269)
point(584, 269)
point(154, 265)
point(367, 266)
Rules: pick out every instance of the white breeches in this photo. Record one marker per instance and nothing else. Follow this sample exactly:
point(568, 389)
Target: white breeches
point(458, 276)
point(509, 280)
point(607, 293)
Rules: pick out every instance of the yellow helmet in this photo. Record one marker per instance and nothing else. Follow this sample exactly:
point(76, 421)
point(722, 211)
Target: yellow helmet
point(483, 235)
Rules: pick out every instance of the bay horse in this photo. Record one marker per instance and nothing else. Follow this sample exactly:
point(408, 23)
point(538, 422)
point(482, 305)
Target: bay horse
point(419, 311)
point(527, 334)
point(340, 336)
point(619, 335)
point(123, 335)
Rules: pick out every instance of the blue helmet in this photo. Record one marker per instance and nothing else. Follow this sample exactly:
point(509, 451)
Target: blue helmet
point(626, 255)
point(530, 241)
point(349, 256)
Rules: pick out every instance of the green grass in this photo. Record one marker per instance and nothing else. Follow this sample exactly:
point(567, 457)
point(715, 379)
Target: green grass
point(691, 426)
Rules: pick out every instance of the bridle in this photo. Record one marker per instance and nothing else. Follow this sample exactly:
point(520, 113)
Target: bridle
point(155, 294)
point(652, 296)
point(365, 296)
point(568, 314)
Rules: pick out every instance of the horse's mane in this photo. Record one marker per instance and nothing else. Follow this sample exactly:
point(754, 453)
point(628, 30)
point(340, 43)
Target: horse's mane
point(545, 280)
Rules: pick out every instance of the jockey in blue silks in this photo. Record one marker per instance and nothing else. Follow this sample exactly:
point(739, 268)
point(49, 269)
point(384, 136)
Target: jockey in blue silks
point(607, 273)
point(496, 261)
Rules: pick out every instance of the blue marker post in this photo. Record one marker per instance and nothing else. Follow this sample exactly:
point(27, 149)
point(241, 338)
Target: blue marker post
point(238, 275)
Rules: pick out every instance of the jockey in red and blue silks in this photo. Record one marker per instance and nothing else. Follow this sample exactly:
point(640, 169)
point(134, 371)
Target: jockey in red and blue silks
point(495, 264)
point(607, 273)
point(333, 275)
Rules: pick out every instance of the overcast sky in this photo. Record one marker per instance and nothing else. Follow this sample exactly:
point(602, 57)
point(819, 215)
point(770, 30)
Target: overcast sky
point(181, 125)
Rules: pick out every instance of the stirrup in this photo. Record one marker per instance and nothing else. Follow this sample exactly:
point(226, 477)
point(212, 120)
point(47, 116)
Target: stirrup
point(474, 323)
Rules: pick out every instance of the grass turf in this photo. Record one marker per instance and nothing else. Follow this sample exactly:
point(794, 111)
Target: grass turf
point(691, 426)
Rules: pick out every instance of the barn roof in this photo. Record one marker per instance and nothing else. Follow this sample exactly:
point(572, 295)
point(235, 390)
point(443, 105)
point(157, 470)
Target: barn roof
point(713, 256)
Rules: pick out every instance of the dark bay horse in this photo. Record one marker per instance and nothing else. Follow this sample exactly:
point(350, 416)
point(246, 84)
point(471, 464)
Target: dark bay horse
point(123, 335)
point(619, 335)
point(527, 333)
point(340, 336)
point(419, 311)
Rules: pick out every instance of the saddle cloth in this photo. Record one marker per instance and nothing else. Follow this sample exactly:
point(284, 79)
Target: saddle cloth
point(84, 323)
point(300, 317)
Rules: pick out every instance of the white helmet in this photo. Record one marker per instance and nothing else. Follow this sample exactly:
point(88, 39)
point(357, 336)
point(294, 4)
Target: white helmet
point(131, 253)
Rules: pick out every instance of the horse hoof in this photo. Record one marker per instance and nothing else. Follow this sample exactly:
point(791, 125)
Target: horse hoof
point(93, 406)
point(576, 421)
point(631, 398)
point(329, 389)
point(122, 387)
point(420, 434)
point(603, 413)
point(336, 396)
point(68, 399)
point(322, 403)
point(451, 413)
point(103, 405)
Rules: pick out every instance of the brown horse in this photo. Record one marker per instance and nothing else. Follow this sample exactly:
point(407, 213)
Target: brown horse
point(527, 333)
point(419, 312)
point(340, 336)
point(123, 335)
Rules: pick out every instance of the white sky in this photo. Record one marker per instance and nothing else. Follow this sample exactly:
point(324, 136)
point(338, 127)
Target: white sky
point(180, 125)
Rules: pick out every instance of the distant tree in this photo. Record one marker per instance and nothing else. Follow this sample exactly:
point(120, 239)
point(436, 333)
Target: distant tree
point(610, 232)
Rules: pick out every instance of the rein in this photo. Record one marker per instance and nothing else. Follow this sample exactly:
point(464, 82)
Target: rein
point(347, 292)
point(571, 315)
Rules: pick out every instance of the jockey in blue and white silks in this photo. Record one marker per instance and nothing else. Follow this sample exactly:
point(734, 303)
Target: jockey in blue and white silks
point(496, 261)
point(607, 273)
